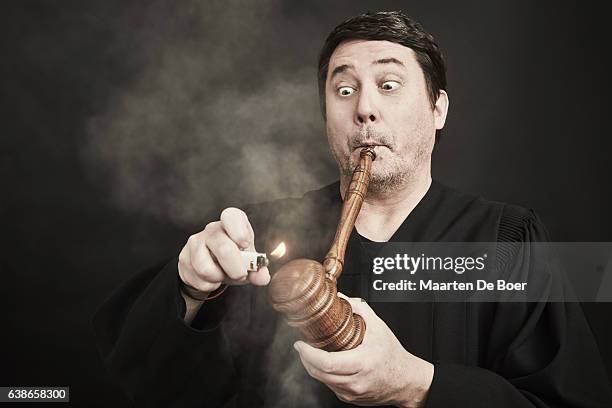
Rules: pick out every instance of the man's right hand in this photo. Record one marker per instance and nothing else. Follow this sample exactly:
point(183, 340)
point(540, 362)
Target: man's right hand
point(212, 256)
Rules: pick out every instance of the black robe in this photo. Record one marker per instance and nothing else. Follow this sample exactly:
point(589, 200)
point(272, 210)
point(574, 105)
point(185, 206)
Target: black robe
point(238, 351)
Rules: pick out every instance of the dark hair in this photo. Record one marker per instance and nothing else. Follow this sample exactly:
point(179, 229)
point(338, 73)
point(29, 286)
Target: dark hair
point(391, 26)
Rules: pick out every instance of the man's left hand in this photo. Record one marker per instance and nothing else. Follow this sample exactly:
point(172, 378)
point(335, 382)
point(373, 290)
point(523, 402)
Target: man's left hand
point(377, 372)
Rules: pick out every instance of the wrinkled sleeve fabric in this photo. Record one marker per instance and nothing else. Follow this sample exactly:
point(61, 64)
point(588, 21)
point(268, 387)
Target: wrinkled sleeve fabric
point(158, 359)
point(153, 354)
point(538, 354)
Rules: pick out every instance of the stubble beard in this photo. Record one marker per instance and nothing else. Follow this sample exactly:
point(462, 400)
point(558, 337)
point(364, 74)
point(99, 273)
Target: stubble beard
point(393, 172)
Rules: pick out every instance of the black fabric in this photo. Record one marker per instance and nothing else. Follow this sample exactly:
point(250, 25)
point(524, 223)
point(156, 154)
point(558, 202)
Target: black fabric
point(238, 352)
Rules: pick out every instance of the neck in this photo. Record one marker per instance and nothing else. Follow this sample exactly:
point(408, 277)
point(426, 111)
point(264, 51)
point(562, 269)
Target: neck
point(383, 212)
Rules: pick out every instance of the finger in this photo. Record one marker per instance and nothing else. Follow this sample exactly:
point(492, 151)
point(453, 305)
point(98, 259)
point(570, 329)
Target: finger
point(244, 280)
point(331, 380)
point(344, 394)
point(190, 277)
point(227, 254)
point(237, 226)
point(339, 362)
point(360, 307)
point(204, 265)
point(313, 371)
point(261, 277)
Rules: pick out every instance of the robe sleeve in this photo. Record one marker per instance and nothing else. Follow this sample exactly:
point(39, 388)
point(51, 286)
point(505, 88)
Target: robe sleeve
point(538, 354)
point(153, 354)
point(157, 358)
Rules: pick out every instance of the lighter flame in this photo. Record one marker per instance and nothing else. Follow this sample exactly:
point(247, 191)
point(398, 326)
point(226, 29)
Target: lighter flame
point(279, 251)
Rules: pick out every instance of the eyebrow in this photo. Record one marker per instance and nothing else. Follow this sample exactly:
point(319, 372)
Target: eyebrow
point(389, 60)
point(344, 67)
point(340, 69)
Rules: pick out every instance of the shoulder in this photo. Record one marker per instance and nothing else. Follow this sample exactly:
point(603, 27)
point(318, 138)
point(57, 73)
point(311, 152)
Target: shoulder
point(513, 223)
point(518, 224)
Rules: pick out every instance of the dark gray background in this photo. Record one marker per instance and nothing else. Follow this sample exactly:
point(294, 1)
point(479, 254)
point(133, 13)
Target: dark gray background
point(124, 122)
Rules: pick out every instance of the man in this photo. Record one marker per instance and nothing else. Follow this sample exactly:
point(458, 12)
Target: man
point(198, 331)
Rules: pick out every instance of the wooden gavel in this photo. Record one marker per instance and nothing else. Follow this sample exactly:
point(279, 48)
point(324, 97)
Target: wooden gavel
point(305, 290)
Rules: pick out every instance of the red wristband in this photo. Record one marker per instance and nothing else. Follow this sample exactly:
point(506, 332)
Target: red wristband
point(219, 291)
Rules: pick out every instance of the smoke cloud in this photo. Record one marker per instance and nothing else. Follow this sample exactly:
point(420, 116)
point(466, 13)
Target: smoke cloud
point(217, 109)
point(295, 387)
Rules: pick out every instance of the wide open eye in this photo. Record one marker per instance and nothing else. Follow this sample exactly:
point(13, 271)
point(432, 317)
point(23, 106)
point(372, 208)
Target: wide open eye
point(345, 91)
point(390, 85)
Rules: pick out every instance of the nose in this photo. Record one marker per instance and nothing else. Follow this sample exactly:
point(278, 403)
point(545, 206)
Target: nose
point(366, 111)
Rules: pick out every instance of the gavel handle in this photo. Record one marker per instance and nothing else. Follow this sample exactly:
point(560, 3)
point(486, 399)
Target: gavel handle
point(355, 194)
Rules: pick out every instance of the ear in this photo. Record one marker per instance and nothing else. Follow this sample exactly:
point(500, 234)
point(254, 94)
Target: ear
point(441, 109)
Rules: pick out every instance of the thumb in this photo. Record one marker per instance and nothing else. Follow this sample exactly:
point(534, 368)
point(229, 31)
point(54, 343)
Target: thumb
point(261, 277)
point(359, 306)
point(251, 241)
point(342, 295)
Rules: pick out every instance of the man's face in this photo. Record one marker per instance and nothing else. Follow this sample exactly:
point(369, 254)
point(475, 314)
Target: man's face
point(376, 94)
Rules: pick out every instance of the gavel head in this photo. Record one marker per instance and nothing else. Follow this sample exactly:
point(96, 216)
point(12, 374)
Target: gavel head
point(308, 299)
